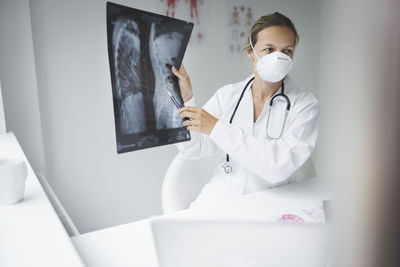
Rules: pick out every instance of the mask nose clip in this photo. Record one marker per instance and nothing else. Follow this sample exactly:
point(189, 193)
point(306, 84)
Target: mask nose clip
point(283, 58)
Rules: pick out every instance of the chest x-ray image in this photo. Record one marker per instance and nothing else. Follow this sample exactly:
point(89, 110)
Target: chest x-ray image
point(142, 48)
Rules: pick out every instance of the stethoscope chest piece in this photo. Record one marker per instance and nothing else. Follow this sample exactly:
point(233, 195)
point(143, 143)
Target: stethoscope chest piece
point(227, 167)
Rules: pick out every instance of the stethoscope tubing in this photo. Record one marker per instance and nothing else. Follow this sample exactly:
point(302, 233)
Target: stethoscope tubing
point(227, 166)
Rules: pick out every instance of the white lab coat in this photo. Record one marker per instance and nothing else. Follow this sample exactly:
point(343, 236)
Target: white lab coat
point(258, 162)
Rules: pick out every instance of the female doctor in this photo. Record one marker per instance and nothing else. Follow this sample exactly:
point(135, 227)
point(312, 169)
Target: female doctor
point(265, 126)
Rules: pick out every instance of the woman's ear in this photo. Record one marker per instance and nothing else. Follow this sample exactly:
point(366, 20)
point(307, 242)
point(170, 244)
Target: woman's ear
point(250, 54)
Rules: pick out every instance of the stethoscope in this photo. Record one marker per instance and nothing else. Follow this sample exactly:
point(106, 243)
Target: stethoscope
point(275, 134)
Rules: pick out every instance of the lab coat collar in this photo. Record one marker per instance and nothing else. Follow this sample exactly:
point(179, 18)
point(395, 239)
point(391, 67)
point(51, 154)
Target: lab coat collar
point(244, 114)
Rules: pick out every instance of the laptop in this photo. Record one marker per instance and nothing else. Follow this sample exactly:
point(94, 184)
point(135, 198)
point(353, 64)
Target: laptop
point(209, 243)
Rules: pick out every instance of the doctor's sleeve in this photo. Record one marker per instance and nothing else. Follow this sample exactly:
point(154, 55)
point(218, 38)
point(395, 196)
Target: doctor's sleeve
point(200, 144)
point(273, 160)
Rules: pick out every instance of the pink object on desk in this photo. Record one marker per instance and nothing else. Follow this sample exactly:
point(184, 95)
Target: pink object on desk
point(291, 218)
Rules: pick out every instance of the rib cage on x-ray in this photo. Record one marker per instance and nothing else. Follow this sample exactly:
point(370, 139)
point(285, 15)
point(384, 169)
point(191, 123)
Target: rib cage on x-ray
point(142, 48)
point(162, 50)
point(126, 44)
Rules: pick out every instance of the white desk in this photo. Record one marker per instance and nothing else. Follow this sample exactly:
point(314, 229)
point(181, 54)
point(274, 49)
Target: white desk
point(30, 232)
point(131, 244)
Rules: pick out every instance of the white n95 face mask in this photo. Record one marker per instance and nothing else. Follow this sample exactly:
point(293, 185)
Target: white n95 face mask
point(273, 67)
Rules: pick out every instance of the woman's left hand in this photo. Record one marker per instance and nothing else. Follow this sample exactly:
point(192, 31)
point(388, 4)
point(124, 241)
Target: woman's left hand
point(199, 119)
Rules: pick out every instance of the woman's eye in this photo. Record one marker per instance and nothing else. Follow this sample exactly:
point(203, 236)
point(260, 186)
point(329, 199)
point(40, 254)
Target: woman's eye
point(287, 51)
point(269, 49)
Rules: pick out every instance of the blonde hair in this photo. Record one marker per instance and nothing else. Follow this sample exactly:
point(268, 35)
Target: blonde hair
point(274, 19)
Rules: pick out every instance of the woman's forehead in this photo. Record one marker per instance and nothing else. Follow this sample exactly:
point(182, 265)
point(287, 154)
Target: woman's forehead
point(276, 35)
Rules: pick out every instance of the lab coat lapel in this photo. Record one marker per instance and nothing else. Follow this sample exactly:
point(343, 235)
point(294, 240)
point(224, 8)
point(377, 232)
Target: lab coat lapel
point(244, 114)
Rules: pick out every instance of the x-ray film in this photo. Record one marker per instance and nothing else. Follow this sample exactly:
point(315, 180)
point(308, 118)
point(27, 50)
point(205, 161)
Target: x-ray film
point(142, 48)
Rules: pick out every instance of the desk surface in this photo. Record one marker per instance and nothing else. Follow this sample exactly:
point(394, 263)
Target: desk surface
point(30, 232)
point(132, 244)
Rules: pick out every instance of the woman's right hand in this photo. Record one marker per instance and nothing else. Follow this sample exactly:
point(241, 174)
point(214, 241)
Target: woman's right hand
point(184, 83)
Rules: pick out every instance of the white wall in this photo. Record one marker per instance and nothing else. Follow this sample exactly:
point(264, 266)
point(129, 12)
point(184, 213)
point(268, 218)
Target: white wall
point(18, 80)
point(98, 187)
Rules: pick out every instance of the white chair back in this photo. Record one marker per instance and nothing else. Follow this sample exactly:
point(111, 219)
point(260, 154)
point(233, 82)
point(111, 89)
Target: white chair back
point(2, 116)
point(306, 171)
point(184, 180)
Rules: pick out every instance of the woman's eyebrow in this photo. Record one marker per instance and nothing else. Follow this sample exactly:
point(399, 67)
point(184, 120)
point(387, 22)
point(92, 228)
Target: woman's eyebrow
point(288, 46)
point(267, 45)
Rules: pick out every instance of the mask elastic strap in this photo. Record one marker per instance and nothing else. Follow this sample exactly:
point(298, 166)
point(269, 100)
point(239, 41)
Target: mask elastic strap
point(252, 47)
